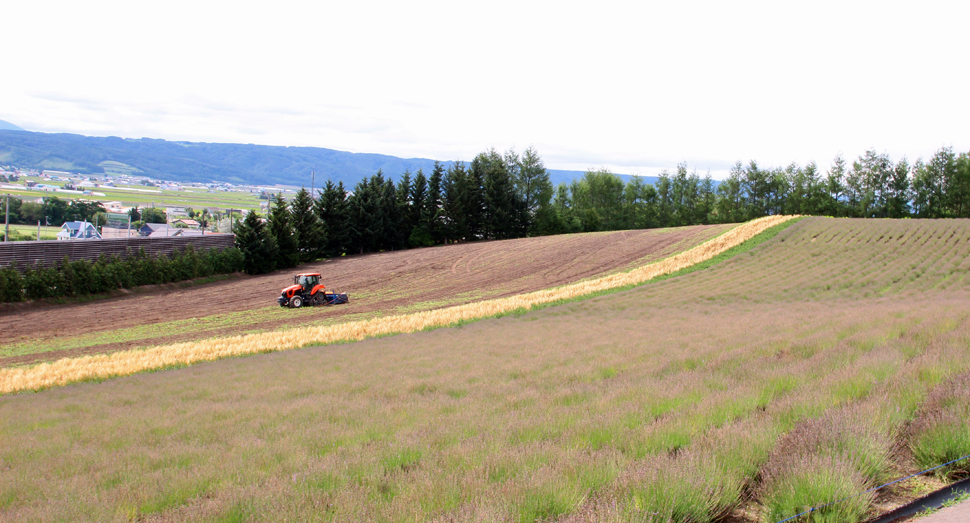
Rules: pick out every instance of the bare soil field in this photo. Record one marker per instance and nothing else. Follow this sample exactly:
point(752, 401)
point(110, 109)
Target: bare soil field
point(780, 379)
point(378, 284)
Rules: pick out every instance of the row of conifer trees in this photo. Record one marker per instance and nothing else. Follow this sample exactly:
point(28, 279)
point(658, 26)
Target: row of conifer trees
point(496, 196)
point(502, 196)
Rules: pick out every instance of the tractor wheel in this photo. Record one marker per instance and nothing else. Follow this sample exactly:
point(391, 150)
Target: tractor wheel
point(296, 302)
point(320, 298)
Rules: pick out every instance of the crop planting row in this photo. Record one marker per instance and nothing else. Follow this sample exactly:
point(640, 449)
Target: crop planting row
point(825, 258)
point(128, 362)
point(654, 404)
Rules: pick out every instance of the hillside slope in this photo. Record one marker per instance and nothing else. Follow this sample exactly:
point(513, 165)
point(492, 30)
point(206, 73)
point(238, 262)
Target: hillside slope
point(378, 284)
point(845, 259)
point(7, 126)
point(780, 379)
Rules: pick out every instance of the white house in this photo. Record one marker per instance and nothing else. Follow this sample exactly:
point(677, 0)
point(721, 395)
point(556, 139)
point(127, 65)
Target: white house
point(78, 231)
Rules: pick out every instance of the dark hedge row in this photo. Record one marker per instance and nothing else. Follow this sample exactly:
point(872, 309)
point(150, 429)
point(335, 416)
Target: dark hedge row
point(81, 277)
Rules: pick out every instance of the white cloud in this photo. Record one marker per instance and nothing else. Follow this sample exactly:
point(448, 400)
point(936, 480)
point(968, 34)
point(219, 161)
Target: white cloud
point(633, 87)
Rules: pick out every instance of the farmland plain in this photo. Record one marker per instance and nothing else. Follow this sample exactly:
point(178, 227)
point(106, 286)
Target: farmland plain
point(30, 231)
point(378, 284)
point(830, 358)
point(145, 196)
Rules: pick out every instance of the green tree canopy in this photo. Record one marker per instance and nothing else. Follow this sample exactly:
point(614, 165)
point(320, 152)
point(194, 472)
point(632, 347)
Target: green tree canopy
point(257, 245)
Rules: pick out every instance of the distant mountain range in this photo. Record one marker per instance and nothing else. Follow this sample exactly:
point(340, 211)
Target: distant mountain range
point(7, 126)
point(206, 162)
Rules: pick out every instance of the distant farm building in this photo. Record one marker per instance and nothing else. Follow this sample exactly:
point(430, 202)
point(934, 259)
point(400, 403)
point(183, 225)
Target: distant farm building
point(118, 232)
point(185, 222)
point(155, 230)
point(78, 231)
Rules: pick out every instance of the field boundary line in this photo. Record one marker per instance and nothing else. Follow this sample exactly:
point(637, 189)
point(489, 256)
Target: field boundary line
point(103, 366)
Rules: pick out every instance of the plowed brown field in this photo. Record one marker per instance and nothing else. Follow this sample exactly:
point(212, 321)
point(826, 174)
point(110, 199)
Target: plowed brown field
point(383, 283)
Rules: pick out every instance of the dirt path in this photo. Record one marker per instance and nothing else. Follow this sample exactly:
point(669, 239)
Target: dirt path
point(383, 283)
point(955, 514)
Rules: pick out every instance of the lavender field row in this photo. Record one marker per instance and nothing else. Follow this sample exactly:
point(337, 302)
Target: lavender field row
point(784, 377)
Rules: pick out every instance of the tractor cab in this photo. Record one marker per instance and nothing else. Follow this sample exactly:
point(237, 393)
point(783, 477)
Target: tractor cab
point(306, 285)
point(307, 281)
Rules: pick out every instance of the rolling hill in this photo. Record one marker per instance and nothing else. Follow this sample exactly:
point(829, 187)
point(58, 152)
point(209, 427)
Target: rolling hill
point(207, 162)
point(7, 126)
point(821, 362)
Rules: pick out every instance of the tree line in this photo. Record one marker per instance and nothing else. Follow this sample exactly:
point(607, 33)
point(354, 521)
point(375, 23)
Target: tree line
point(52, 210)
point(507, 195)
point(495, 196)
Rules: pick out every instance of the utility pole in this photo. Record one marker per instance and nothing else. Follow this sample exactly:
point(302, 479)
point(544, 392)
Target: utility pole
point(313, 183)
point(6, 221)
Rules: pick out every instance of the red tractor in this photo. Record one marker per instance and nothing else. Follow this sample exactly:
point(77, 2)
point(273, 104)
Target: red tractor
point(307, 290)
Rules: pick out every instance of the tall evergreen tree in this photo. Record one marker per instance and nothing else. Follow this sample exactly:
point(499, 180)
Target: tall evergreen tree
point(866, 185)
point(757, 184)
point(473, 201)
point(641, 204)
point(920, 189)
point(534, 188)
point(366, 221)
point(396, 230)
point(727, 209)
point(311, 235)
point(432, 213)
point(706, 198)
point(897, 202)
point(418, 213)
point(959, 188)
point(257, 245)
point(816, 192)
point(942, 171)
point(404, 202)
point(835, 184)
point(665, 204)
point(416, 199)
point(333, 210)
point(597, 199)
point(500, 209)
point(454, 204)
point(684, 194)
point(281, 227)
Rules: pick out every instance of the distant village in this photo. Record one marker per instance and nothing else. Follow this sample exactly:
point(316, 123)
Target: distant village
point(122, 218)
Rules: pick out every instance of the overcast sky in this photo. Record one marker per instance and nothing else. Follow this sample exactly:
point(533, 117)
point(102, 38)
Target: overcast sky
point(634, 88)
